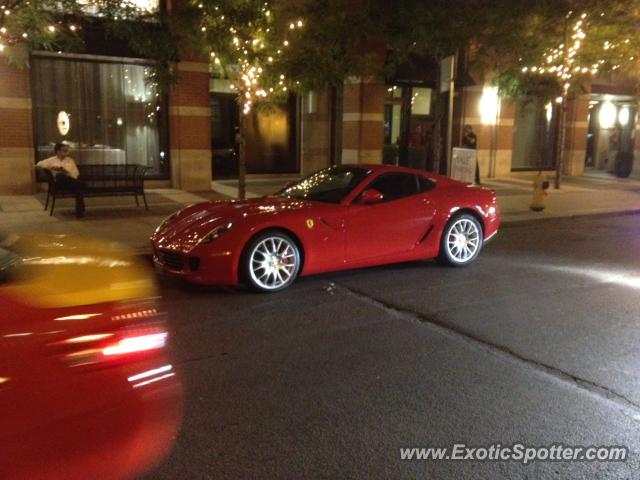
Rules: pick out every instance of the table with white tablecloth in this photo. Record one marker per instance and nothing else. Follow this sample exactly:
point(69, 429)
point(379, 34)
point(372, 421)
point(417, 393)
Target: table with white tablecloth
point(90, 155)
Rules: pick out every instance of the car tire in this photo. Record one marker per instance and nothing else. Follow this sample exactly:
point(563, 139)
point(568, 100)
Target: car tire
point(270, 262)
point(461, 241)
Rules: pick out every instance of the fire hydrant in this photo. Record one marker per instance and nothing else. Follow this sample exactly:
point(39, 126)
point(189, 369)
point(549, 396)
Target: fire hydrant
point(540, 186)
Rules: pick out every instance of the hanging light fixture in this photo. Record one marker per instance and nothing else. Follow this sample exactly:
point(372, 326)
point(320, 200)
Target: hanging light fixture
point(623, 116)
point(607, 115)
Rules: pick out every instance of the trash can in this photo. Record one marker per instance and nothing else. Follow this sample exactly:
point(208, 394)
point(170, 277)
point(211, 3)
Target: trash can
point(624, 164)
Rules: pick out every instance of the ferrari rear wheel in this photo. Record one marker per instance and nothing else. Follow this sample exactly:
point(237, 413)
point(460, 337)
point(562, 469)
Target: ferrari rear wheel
point(461, 241)
point(271, 262)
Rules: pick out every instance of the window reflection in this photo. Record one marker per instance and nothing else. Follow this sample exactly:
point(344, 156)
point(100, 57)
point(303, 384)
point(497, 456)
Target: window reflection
point(115, 112)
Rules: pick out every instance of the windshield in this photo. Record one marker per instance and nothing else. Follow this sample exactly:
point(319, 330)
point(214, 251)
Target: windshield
point(8, 260)
point(330, 185)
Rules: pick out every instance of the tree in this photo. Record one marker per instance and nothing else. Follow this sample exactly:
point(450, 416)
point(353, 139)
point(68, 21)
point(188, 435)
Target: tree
point(246, 45)
point(268, 50)
point(327, 41)
point(559, 46)
point(58, 25)
point(34, 25)
point(331, 40)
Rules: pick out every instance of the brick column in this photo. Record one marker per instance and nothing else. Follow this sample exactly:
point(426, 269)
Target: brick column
point(498, 136)
point(316, 131)
point(17, 155)
point(363, 121)
point(190, 128)
point(575, 146)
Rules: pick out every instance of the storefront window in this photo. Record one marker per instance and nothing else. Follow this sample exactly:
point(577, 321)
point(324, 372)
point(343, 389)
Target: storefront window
point(270, 134)
point(224, 120)
point(408, 127)
point(107, 112)
point(392, 124)
point(535, 135)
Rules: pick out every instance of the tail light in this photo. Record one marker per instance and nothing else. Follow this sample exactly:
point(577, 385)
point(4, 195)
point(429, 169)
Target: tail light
point(120, 341)
point(139, 343)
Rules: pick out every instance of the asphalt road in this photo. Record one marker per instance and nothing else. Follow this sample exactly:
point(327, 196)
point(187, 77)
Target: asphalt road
point(537, 342)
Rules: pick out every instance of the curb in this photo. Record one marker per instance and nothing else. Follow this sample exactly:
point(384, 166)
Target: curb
point(614, 213)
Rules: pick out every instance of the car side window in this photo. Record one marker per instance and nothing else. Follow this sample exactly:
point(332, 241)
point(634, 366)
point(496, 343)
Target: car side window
point(8, 262)
point(424, 184)
point(394, 186)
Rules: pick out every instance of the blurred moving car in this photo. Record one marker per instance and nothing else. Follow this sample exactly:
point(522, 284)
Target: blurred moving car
point(87, 388)
point(341, 217)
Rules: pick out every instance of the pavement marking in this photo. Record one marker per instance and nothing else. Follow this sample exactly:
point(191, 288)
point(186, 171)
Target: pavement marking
point(624, 404)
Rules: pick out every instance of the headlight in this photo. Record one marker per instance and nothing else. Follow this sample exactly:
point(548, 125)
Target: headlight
point(216, 233)
point(166, 221)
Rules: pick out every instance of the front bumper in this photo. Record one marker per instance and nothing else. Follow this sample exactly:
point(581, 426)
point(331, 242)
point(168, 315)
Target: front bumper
point(197, 266)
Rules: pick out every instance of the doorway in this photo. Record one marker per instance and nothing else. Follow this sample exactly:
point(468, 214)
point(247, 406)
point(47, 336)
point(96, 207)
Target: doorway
point(610, 137)
point(408, 127)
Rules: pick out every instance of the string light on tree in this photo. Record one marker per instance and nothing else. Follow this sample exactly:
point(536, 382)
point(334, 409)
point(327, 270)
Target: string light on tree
point(592, 44)
point(44, 24)
point(567, 62)
point(247, 47)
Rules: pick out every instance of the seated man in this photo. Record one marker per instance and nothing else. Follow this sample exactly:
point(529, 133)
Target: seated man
point(66, 174)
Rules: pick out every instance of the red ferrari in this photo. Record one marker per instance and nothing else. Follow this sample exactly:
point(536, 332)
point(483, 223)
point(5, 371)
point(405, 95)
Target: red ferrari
point(341, 217)
point(87, 388)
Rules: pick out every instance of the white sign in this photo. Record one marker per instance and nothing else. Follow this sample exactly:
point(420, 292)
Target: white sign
point(446, 73)
point(463, 164)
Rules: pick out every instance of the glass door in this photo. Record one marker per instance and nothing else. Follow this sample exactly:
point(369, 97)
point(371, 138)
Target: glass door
point(392, 125)
point(408, 127)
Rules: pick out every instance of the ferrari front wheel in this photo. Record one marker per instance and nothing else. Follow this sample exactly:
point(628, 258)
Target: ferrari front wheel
point(461, 241)
point(271, 262)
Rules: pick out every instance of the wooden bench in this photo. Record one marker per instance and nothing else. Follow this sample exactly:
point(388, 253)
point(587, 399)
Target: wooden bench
point(101, 181)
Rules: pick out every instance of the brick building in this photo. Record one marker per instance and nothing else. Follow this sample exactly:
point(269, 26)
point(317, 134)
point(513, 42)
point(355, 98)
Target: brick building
point(187, 136)
point(104, 126)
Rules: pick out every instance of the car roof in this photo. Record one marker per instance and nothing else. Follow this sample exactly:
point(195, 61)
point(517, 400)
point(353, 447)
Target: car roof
point(393, 168)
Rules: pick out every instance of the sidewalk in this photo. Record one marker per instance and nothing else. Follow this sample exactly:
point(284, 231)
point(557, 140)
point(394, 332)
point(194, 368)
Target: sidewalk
point(586, 195)
point(119, 219)
point(116, 219)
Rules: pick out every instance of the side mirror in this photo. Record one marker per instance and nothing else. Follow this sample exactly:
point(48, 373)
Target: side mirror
point(371, 196)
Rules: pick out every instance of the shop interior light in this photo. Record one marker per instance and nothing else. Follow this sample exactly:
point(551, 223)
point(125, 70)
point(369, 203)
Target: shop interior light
point(489, 103)
point(549, 111)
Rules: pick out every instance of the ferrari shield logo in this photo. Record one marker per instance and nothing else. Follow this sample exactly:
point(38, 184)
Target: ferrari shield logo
point(309, 223)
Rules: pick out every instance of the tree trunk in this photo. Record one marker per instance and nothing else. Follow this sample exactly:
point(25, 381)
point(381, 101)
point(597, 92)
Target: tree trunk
point(437, 113)
point(562, 127)
point(242, 160)
point(562, 124)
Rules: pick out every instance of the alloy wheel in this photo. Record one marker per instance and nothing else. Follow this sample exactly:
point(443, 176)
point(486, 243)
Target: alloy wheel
point(273, 263)
point(463, 240)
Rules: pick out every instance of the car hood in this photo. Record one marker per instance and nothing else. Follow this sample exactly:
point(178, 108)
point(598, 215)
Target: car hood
point(196, 221)
point(65, 270)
